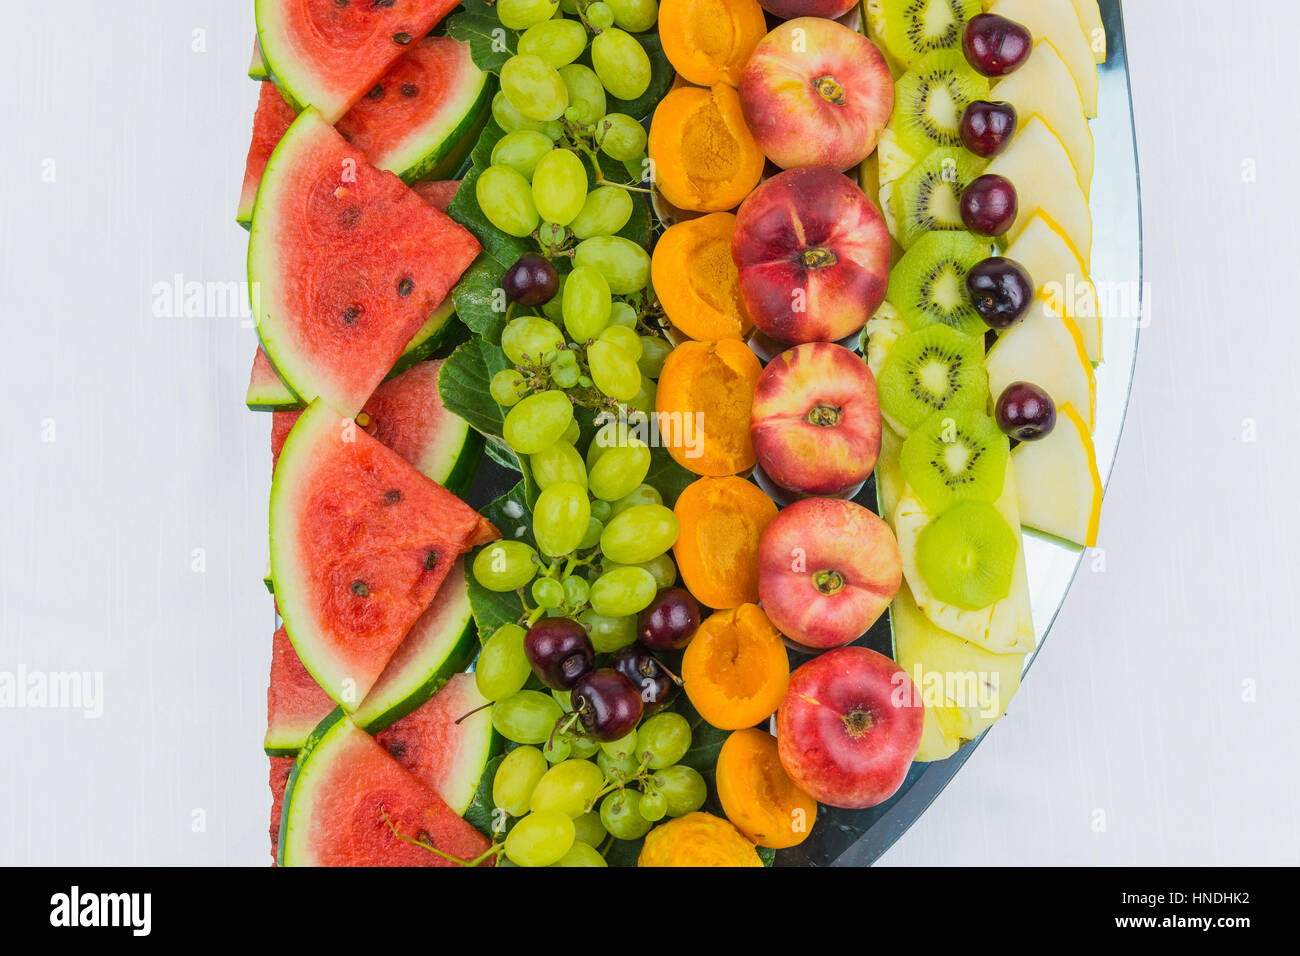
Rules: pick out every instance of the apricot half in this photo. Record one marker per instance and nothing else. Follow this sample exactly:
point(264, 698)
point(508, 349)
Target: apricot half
point(704, 156)
point(735, 670)
point(757, 794)
point(709, 41)
point(696, 279)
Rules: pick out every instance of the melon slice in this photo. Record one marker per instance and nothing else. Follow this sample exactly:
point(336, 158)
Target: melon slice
point(1043, 87)
point(360, 543)
point(281, 767)
point(442, 641)
point(1060, 487)
point(348, 803)
point(1039, 167)
point(271, 120)
point(295, 703)
point(1047, 350)
point(1094, 31)
point(257, 64)
point(266, 390)
point(442, 747)
point(328, 54)
point(1059, 277)
point(1054, 20)
point(348, 263)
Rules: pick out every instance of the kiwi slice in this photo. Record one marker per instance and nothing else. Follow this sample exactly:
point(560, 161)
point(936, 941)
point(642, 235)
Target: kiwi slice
point(967, 555)
point(913, 28)
point(927, 198)
point(954, 456)
point(932, 370)
point(930, 99)
point(928, 285)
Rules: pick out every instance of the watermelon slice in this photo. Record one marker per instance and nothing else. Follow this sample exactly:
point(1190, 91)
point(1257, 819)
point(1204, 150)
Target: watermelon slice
point(270, 122)
point(328, 54)
point(360, 543)
point(295, 703)
point(256, 64)
point(281, 767)
point(345, 798)
point(446, 756)
point(349, 265)
point(441, 642)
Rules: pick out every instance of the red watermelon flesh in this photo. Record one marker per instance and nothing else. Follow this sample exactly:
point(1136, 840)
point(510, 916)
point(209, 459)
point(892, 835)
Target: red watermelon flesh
point(406, 414)
point(280, 769)
point(349, 264)
point(295, 703)
point(437, 193)
point(281, 424)
point(273, 117)
point(328, 54)
point(360, 544)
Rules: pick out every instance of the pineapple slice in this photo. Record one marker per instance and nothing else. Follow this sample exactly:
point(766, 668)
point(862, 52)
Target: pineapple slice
point(1089, 12)
point(1060, 487)
point(1047, 350)
point(1060, 279)
point(1044, 87)
point(1057, 21)
point(1039, 167)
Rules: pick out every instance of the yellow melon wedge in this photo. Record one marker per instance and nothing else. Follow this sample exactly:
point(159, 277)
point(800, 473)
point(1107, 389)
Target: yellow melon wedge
point(1059, 485)
point(1057, 21)
point(1039, 167)
point(1059, 277)
point(1047, 350)
point(1089, 13)
point(1043, 87)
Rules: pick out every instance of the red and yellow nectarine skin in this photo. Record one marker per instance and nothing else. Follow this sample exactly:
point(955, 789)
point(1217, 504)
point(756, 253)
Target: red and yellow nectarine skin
point(828, 568)
point(812, 254)
point(849, 727)
point(815, 421)
point(816, 93)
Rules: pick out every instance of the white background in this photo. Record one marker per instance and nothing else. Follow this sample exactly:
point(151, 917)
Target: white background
point(1157, 727)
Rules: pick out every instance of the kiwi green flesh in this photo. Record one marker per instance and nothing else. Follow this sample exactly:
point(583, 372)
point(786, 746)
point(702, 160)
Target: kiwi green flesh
point(914, 28)
point(926, 199)
point(931, 98)
point(928, 285)
point(931, 370)
point(955, 456)
point(967, 555)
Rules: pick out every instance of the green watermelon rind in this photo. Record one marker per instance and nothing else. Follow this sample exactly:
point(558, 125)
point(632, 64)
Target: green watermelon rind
point(268, 393)
point(257, 63)
point(298, 784)
point(439, 151)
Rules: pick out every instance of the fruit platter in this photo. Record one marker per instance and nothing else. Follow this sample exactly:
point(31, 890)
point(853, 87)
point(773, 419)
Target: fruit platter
point(687, 416)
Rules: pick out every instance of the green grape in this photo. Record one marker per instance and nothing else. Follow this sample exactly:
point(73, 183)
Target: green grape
point(502, 669)
point(654, 352)
point(560, 518)
point(621, 63)
point(581, 854)
point(505, 565)
point(601, 510)
point(559, 186)
point(565, 371)
point(588, 828)
point(635, 16)
point(560, 462)
point(662, 570)
point(585, 92)
point(640, 495)
point(617, 769)
point(558, 42)
point(574, 431)
point(576, 589)
point(556, 749)
point(522, 14)
point(644, 399)
point(554, 309)
point(506, 387)
point(551, 234)
point(621, 815)
point(639, 534)
point(537, 422)
point(587, 304)
point(622, 137)
point(606, 211)
point(624, 338)
point(512, 787)
point(622, 591)
point(619, 471)
point(539, 839)
point(613, 370)
point(534, 88)
point(663, 739)
point(521, 151)
point(608, 633)
point(584, 748)
point(569, 6)
point(623, 315)
point(683, 788)
point(507, 200)
point(612, 434)
point(527, 717)
point(623, 263)
point(513, 121)
point(653, 806)
point(600, 15)
point(530, 338)
point(625, 746)
point(591, 538)
point(548, 592)
point(567, 788)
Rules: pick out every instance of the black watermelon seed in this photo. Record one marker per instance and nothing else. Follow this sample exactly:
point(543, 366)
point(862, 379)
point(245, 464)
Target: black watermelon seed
point(431, 560)
point(376, 91)
point(409, 89)
point(341, 3)
point(351, 314)
point(360, 589)
point(350, 217)
point(401, 39)
point(423, 837)
point(397, 748)
point(392, 496)
point(384, 3)
point(404, 287)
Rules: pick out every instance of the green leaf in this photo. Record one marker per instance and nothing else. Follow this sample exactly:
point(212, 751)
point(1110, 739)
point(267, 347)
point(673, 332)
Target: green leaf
point(640, 225)
point(482, 808)
point(624, 852)
point(706, 740)
point(669, 477)
point(490, 44)
point(661, 80)
point(481, 154)
point(464, 208)
point(767, 855)
point(463, 384)
point(492, 609)
point(476, 296)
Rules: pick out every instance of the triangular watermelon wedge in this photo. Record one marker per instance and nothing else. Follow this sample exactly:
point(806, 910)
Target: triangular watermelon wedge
point(295, 703)
point(270, 122)
point(360, 544)
point(346, 265)
point(327, 53)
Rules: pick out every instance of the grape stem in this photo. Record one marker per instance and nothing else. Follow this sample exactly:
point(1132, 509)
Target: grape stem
point(600, 173)
point(494, 850)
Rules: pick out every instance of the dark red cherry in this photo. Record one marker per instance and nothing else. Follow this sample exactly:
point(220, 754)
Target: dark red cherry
point(643, 669)
point(989, 205)
point(560, 651)
point(1001, 291)
point(608, 704)
point(996, 46)
point(1026, 412)
point(670, 621)
point(987, 128)
point(532, 280)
